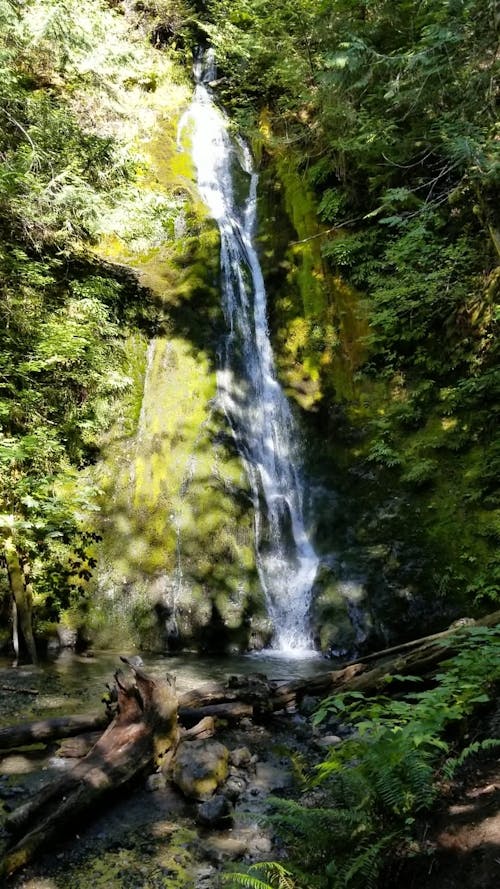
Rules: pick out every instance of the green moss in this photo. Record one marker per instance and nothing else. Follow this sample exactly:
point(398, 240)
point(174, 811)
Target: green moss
point(176, 518)
point(319, 322)
point(159, 859)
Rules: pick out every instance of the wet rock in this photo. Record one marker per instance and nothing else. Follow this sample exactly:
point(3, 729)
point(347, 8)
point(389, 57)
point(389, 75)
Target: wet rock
point(308, 705)
point(270, 778)
point(261, 845)
point(328, 741)
point(200, 768)
point(241, 757)
point(156, 782)
point(215, 811)
point(205, 877)
point(224, 848)
point(234, 787)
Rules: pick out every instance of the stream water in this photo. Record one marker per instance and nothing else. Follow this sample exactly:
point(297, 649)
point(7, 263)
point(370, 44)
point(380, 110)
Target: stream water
point(70, 683)
point(249, 392)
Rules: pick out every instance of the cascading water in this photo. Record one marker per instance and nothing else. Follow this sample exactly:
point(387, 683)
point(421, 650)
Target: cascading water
point(249, 392)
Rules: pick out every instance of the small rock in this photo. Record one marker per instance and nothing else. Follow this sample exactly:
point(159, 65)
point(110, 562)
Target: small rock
point(222, 848)
point(204, 877)
point(233, 788)
point(246, 724)
point(215, 811)
point(240, 757)
point(269, 777)
point(156, 782)
point(262, 845)
point(328, 741)
point(308, 705)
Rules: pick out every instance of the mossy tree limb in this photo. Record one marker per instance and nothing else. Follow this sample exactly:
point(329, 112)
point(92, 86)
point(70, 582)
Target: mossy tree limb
point(22, 599)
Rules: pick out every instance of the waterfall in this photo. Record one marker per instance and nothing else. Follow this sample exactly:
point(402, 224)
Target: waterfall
point(248, 390)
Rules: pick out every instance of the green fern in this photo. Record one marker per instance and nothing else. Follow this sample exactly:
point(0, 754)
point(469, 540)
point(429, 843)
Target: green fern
point(451, 766)
point(269, 875)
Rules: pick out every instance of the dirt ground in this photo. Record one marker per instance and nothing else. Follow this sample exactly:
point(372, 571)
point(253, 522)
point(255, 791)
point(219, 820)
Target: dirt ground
point(462, 843)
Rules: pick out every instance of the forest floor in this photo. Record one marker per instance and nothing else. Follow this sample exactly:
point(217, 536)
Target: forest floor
point(462, 841)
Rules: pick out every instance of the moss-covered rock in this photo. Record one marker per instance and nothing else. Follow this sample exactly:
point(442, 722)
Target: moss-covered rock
point(177, 566)
point(200, 768)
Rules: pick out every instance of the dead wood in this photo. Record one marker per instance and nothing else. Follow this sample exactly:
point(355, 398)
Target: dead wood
point(26, 733)
point(144, 731)
point(203, 729)
point(19, 690)
point(410, 659)
point(232, 711)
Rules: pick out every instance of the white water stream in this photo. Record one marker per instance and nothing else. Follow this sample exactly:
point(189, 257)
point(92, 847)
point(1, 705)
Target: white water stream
point(249, 392)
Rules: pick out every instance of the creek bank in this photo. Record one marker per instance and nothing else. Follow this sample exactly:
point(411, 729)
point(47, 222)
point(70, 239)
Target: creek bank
point(157, 835)
point(146, 723)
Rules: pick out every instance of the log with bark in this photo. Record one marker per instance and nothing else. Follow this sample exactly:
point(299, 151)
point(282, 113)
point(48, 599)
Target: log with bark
point(371, 674)
point(45, 730)
point(144, 731)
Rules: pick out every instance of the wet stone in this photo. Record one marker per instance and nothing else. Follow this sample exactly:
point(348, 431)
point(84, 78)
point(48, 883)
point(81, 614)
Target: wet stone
point(224, 848)
point(234, 787)
point(241, 757)
point(215, 811)
point(328, 741)
point(156, 782)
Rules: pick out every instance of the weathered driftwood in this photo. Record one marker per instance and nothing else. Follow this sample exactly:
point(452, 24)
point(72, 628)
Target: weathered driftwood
point(203, 729)
point(26, 733)
point(231, 711)
point(144, 731)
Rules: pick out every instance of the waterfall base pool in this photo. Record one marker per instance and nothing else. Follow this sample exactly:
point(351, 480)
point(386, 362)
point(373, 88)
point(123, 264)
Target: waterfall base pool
point(72, 683)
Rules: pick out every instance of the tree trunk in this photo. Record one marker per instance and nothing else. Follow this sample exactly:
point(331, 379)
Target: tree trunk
point(22, 598)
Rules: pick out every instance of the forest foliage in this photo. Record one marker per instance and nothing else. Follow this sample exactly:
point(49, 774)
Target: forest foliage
point(74, 87)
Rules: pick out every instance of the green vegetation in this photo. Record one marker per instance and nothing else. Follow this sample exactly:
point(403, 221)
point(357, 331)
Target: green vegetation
point(110, 446)
point(75, 110)
point(375, 128)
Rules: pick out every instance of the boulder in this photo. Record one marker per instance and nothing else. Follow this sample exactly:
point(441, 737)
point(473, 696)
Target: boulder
point(215, 812)
point(200, 768)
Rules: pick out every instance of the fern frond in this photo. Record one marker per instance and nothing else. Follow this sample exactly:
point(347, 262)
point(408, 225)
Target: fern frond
point(279, 877)
point(452, 765)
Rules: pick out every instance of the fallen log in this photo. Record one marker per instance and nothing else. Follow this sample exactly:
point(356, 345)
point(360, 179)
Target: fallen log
point(410, 658)
point(232, 711)
point(26, 733)
point(144, 731)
